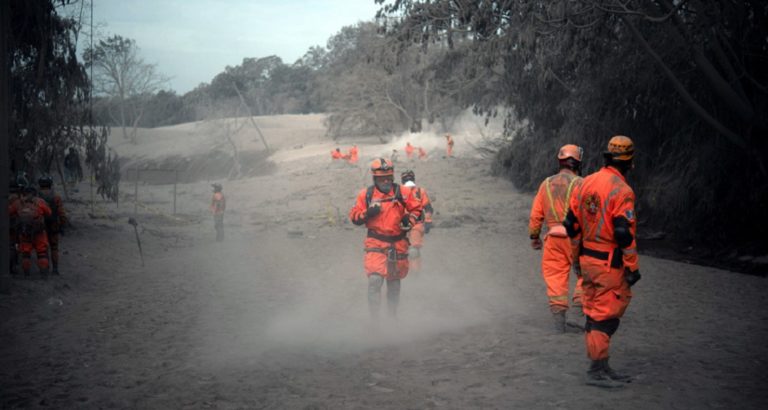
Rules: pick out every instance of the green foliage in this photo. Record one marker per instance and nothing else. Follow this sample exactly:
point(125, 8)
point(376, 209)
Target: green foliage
point(686, 80)
point(49, 87)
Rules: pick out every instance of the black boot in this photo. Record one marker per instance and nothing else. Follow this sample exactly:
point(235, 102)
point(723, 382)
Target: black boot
point(619, 377)
point(559, 321)
point(597, 376)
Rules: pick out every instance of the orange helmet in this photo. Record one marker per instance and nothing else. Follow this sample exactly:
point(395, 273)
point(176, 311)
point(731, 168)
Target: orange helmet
point(382, 167)
point(621, 148)
point(570, 151)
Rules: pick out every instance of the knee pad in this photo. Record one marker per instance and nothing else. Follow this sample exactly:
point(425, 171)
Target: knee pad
point(608, 327)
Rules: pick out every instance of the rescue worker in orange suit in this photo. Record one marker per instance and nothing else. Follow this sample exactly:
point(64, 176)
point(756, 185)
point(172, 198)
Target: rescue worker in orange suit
point(409, 150)
point(389, 211)
point(449, 146)
point(424, 223)
point(218, 206)
point(422, 154)
point(30, 213)
point(14, 190)
point(55, 222)
point(549, 208)
point(602, 216)
point(353, 155)
point(337, 154)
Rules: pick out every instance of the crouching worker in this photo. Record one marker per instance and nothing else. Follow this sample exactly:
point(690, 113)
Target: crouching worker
point(389, 211)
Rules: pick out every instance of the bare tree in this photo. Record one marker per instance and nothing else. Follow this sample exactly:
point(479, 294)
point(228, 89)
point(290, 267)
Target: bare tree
point(121, 74)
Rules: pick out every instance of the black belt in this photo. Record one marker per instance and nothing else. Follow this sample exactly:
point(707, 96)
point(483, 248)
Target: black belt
point(616, 262)
point(595, 254)
point(387, 238)
point(399, 256)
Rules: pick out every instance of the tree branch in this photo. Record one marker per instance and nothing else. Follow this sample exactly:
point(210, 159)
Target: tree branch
point(697, 109)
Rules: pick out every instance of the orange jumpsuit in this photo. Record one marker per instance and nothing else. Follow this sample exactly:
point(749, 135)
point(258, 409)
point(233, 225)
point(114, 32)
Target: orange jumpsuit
point(353, 155)
point(409, 150)
point(603, 200)
point(336, 155)
point(416, 235)
point(550, 206)
point(449, 146)
point(384, 233)
point(218, 206)
point(422, 153)
point(54, 223)
point(13, 239)
point(31, 235)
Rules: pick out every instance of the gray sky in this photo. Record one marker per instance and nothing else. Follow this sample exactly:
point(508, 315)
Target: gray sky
point(193, 40)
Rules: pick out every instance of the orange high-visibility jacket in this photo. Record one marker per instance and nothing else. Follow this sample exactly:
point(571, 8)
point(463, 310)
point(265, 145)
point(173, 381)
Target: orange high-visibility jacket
point(551, 202)
point(42, 210)
point(387, 222)
point(353, 156)
point(602, 197)
point(384, 229)
point(218, 203)
point(409, 150)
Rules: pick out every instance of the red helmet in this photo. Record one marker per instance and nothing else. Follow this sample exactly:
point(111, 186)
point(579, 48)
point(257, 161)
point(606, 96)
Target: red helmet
point(570, 151)
point(382, 167)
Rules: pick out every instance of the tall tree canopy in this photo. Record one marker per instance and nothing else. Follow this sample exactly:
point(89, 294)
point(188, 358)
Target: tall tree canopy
point(687, 80)
point(49, 90)
point(120, 74)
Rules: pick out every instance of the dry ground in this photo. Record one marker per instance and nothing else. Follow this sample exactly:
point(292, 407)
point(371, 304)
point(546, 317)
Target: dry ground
point(276, 317)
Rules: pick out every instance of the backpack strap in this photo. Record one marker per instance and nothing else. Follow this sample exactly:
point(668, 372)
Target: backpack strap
point(398, 195)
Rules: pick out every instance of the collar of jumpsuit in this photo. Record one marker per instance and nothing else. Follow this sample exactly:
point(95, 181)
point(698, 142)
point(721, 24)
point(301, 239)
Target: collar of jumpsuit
point(616, 172)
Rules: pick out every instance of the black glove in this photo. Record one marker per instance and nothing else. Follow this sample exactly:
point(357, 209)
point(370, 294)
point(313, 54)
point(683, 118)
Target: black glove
point(427, 227)
point(405, 222)
point(631, 276)
point(372, 211)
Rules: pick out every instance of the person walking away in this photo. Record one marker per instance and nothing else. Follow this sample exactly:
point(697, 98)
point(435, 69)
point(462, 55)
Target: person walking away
point(394, 156)
point(218, 206)
point(448, 146)
point(56, 221)
point(409, 150)
point(559, 252)
point(353, 155)
point(602, 216)
point(72, 169)
point(389, 211)
point(30, 213)
point(423, 224)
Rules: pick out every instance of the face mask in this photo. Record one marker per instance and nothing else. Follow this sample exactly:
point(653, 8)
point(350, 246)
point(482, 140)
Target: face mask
point(384, 186)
